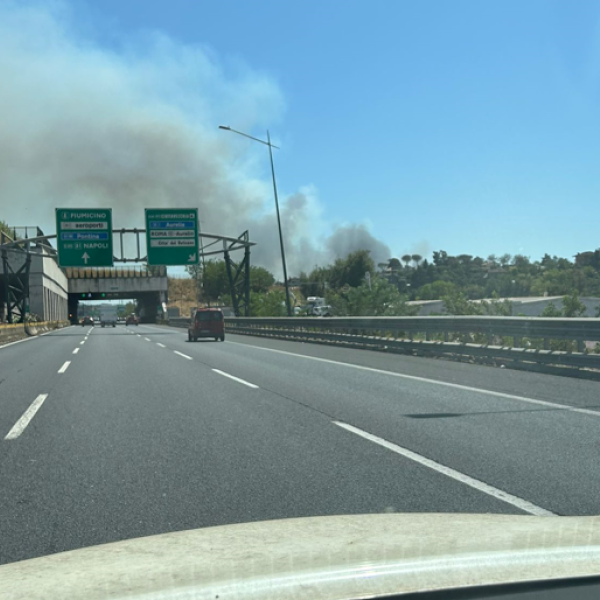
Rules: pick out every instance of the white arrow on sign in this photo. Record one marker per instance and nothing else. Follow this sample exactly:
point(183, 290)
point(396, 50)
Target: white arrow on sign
point(192, 258)
point(85, 257)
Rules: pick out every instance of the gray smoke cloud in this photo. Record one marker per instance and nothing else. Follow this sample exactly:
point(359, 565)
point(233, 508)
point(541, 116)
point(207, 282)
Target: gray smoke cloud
point(83, 125)
point(347, 238)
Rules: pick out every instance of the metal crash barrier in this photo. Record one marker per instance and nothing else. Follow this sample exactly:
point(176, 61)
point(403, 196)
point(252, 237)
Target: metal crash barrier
point(560, 346)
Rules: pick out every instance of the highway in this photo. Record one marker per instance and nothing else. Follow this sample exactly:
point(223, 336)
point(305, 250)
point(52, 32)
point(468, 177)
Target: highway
point(109, 434)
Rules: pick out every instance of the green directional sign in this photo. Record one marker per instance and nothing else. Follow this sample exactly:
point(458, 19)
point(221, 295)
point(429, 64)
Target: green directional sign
point(84, 237)
point(172, 236)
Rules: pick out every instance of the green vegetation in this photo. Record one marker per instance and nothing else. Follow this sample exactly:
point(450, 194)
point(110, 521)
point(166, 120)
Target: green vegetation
point(268, 304)
point(506, 276)
point(213, 284)
point(4, 228)
point(381, 299)
point(354, 285)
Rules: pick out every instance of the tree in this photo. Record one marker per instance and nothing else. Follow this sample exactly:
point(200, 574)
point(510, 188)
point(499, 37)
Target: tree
point(382, 299)
point(436, 290)
point(271, 304)
point(548, 262)
point(195, 272)
point(457, 303)
point(416, 258)
point(406, 259)
point(572, 306)
point(4, 228)
point(520, 261)
point(551, 311)
point(504, 259)
point(588, 259)
point(497, 308)
point(129, 308)
point(314, 284)
point(260, 279)
point(351, 270)
point(394, 264)
point(215, 281)
point(440, 259)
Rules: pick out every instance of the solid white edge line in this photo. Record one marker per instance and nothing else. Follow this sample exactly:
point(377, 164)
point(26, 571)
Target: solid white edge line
point(501, 495)
point(250, 385)
point(20, 425)
point(161, 345)
point(182, 354)
point(64, 367)
point(27, 339)
point(76, 351)
point(457, 386)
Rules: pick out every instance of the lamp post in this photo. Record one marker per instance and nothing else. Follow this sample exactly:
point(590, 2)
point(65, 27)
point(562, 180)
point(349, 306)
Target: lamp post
point(271, 146)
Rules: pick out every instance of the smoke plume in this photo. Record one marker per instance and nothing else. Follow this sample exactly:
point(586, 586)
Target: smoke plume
point(134, 128)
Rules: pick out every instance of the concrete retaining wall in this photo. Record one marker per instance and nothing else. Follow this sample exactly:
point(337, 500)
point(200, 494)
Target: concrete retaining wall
point(19, 331)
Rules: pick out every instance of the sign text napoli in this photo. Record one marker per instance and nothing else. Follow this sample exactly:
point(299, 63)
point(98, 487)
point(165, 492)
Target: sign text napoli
point(84, 237)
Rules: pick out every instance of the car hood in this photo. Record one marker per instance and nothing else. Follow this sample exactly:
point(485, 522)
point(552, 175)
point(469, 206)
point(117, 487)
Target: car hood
point(342, 557)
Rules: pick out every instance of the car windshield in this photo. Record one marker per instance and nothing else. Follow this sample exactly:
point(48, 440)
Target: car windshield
point(282, 260)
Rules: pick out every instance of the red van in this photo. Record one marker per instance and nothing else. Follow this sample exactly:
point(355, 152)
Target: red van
point(207, 322)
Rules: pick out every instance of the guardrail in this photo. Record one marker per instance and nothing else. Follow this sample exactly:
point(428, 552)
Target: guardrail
point(516, 342)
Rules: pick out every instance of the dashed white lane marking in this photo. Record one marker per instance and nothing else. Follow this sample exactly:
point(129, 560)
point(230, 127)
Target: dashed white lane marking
point(184, 355)
point(20, 425)
point(76, 351)
point(161, 345)
point(64, 367)
point(82, 343)
point(520, 503)
point(250, 385)
point(147, 339)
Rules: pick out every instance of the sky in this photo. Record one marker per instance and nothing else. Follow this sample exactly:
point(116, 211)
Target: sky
point(409, 126)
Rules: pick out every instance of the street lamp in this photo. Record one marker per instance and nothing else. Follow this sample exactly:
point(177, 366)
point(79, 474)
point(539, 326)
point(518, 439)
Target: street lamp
point(271, 146)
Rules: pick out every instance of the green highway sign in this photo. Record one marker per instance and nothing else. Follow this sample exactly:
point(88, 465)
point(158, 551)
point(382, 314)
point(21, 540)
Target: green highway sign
point(172, 236)
point(84, 237)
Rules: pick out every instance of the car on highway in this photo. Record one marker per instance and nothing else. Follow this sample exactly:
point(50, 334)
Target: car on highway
point(87, 321)
point(207, 323)
point(132, 320)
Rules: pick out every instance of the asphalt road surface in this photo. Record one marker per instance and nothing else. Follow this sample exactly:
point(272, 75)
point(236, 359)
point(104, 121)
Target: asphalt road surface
point(109, 434)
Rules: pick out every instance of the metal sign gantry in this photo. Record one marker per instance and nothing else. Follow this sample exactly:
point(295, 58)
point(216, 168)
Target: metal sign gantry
point(16, 281)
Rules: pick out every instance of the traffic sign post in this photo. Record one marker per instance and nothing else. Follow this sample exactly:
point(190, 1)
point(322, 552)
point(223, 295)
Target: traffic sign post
point(84, 237)
point(172, 236)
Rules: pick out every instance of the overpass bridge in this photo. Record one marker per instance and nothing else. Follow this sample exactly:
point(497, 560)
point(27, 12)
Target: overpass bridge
point(148, 286)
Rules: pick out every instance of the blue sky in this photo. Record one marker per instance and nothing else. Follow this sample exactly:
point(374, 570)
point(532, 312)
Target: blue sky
point(468, 126)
